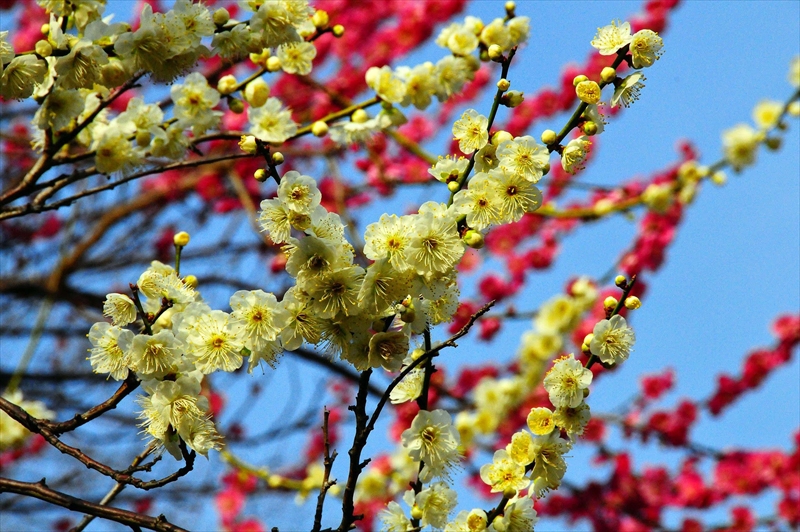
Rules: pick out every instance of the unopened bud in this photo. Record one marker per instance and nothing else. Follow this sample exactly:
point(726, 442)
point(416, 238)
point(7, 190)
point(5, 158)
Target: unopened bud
point(610, 303)
point(338, 30)
point(248, 144)
point(273, 64)
point(549, 136)
point(590, 128)
point(416, 512)
point(236, 105)
point(45, 29)
point(181, 239)
point(261, 57)
point(510, 7)
point(632, 303)
point(359, 116)
point(260, 175)
point(509, 493)
point(495, 52)
point(503, 84)
point(587, 340)
point(499, 524)
point(221, 16)
point(43, 48)
point(473, 239)
point(608, 74)
point(142, 139)
point(416, 353)
point(256, 92)
point(603, 206)
point(794, 108)
point(580, 78)
point(319, 128)
point(453, 186)
point(501, 136)
point(512, 98)
point(621, 281)
point(191, 281)
point(227, 84)
point(719, 178)
point(320, 19)
point(773, 143)
point(277, 158)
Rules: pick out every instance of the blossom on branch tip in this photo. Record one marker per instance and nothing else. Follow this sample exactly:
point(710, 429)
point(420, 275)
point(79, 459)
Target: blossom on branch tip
point(627, 91)
point(613, 340)
point(566, 381)
point(740, 144)
point(645, 48)
point(434, 503)
point(120, 308)
point(574, 154)
point(610, 39)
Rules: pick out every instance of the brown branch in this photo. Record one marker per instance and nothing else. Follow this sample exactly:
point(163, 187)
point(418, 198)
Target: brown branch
point(39, 426)
point(328, 463)
point(40, 490)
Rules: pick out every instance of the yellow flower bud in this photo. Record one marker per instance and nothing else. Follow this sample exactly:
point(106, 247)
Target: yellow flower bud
point(453, 186)
point(590, 128)
point(610, 303)
point(620, 281)
point(261, 57)
point(495, 53)
point(320, 19)
point(580, 78)
point(338, 30)
point(319, 128)
point(45, 29)
point(43, 48)
point(632, 303)
point(142, 139)
point(181, 239)
point(510, 7)
point(501, 136)
point(503, 84)
point(273, 64)
point(359, 116)
point(277, 158)
point(608, 74)
point(191, 281)
point(248, 144)
point(221, 16)
point(603, 206)
point(256, 92)
point(236, 105)
point(512, 98)
point(549, 136)
point(509, 493)
point(794, 108)
point(227, 84)
point(260, 175)
point(588, 338)
point(473, 239)
point(499, 525)
point(416, 512)
point(719, 178)
point(588, 91)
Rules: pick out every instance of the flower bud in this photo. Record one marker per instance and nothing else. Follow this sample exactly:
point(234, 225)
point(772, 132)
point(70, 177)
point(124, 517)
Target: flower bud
point(142, 139)
point(510, 6)
point(256, 92)
point(453, 186)
point(416, 512)
point(608, 74)
point(719, 178)
point(495, 53)
point(773, 143)
point(43, 48)
point(221, 16)
point(45, 29)
point(359, 116)
point(501, 136)
point(227, 84)
point(338, 30)
point(549, 136)
point(546, 168)
point(273, 64)
point(260, 59)
point(320, 19)
point(260, 175)
point(114, 73)
point(512, 98)
point(277, 158)
point(610, 303)
point(509, 493)
point(603, 206)
point(181, 239)
point(588, 338)
point(503, 84)
point(191, 281)
point(590, 128)
point(588, 91)
point(236, 105)
point(620, 281)
point(794, 108)
point(580, 78)
point(632, 303)
point(416, 353)
point(498, 524)
point(248, 144)
point(319, 128)
point(473, 239)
